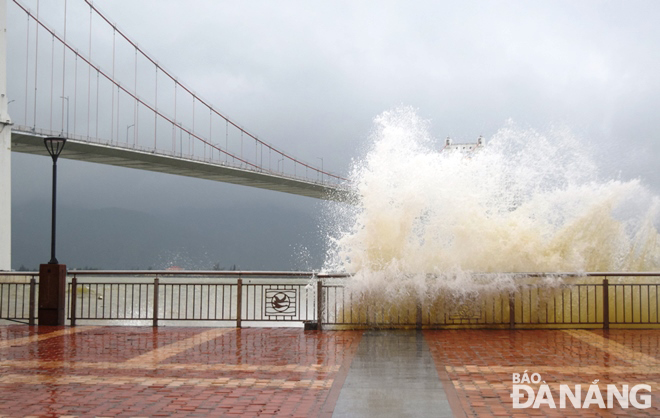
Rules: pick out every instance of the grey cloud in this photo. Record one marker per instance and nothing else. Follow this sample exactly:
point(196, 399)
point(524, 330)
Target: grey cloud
point(309, 78)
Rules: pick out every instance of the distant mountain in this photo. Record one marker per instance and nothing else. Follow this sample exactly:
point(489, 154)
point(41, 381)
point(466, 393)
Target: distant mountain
point(252, 237)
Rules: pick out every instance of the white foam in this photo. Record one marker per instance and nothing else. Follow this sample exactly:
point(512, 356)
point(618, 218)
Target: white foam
point(528, 201)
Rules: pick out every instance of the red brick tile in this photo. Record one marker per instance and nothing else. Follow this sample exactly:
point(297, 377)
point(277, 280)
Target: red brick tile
point(243, 372)
point(481, 363)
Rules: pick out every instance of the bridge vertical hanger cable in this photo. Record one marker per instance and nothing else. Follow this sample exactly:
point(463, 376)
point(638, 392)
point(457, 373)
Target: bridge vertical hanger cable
point(210, 132)
point(156, 113)
point(36, 59)
point(27, 67)
point(89, 75)
point(174, 122)
point(52, 79)
point(98, 82)
point(118, 99)
point(135, 102)
point(75, 94)
point(64, 72)
point(112, 117)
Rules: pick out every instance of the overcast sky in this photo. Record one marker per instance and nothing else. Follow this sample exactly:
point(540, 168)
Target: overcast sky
point(310, 77)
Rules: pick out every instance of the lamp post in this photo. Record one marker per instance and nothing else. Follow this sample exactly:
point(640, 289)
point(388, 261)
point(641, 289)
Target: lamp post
point(54, 145)
point(52, 276)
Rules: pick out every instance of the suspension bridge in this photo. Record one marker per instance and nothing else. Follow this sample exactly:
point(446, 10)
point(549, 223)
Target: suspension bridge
point(91, 83)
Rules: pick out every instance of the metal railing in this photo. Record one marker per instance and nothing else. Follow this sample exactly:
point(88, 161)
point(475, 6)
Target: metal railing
point(18, 296)
point(585, 300)
point(229, 296)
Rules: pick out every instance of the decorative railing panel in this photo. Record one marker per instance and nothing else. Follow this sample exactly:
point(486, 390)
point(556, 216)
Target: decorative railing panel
point(279, 302)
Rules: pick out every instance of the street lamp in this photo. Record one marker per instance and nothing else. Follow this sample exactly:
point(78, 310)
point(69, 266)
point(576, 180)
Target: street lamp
point(54, 145)
point(52, 276)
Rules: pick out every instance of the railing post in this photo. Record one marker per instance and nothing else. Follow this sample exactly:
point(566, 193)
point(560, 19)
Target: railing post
point(419, 314)
point(319, 304)
point(74, 300)
point(156, 283)
point(606, 304)
point(512, 310)
point(33, 292)
point(239, 301)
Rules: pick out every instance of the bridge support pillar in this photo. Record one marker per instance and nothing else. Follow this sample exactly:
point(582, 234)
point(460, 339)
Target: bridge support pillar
point(5, 149)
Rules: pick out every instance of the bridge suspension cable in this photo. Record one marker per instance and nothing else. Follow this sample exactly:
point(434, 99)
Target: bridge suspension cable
point(244, 160)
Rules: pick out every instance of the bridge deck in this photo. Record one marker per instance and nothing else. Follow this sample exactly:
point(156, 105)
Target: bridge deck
point(113, 154)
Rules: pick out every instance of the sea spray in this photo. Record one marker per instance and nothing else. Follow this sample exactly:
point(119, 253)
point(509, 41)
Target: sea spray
point(427, 221)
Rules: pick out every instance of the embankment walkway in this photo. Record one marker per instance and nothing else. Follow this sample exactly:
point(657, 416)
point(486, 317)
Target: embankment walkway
point(176, 371)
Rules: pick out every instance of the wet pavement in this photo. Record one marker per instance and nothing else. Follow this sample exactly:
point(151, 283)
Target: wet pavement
point(392, 375)
point(481, 364)
point(141, 371)
point(177, 371)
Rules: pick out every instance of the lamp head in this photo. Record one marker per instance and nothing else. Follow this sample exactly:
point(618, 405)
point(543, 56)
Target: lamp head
point(54, 145)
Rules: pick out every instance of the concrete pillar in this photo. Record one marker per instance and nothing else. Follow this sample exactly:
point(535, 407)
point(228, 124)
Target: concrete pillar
point(5, 149)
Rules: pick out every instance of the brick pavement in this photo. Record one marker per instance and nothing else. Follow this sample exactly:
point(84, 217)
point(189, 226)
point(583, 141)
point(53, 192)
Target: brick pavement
point(140, 371)
point(480, 365)
point(180, 371)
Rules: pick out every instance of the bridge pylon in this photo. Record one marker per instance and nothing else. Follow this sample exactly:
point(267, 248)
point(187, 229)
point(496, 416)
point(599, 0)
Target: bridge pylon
point(5, 149)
